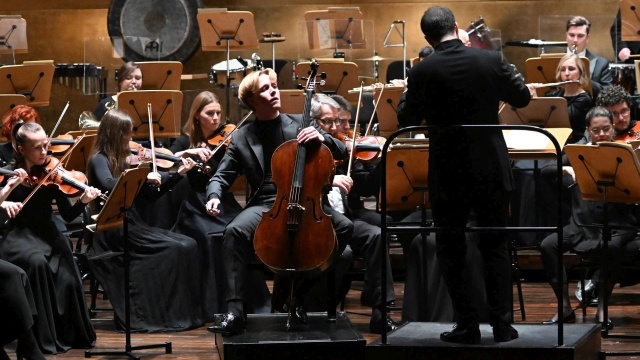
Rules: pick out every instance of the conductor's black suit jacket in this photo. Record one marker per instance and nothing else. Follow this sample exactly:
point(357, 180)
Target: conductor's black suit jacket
point(461, 85)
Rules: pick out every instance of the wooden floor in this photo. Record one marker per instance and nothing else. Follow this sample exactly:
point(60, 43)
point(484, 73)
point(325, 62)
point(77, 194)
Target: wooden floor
point(539, 305)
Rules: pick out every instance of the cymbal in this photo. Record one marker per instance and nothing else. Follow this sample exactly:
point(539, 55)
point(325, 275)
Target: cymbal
point(374, 58)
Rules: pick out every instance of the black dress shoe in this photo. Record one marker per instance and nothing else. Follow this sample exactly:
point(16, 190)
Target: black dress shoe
point(606, 325)
point(462, 335)
point(375, 327)
point(229, 324)
point(570, 318)
point(503, 332)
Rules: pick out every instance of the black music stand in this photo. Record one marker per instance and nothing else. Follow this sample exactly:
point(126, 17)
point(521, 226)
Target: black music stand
point(13, 35)
point(161, 75)
point(340, 77)
point(31, 79)
point(629, 20)
point(543, 70)
point(79, 157)
point(546, 112)
point(222, 30)
point(387, 109)
point(166, 106)
point(610, 173)
point(337, 28)
point(112, 216)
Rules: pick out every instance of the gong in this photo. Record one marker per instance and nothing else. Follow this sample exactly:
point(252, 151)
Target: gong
point(147, 30)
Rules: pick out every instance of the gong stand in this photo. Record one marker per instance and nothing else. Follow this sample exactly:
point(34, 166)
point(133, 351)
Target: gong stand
point(222, 30)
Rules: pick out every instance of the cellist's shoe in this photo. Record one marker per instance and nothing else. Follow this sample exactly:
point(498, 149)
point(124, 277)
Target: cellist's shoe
point(229, 324)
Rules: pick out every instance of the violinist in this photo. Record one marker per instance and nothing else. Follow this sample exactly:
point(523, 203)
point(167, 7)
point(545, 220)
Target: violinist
point(617, 100)
point(17, 306)
point(32, 241)
point(366, 238)
point(250, 152)
point(204, 119)
point(19, 113)
point(129, 78)
point(162, 268)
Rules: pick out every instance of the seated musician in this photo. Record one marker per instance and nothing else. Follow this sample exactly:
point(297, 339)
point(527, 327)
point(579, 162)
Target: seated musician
point(578, 28)
point(617, 100)
point(624, 49)
point(587, 240)
point(571, 68)
point(364, 180)
point(250, 153)
point(129, 78)
point(19, 113)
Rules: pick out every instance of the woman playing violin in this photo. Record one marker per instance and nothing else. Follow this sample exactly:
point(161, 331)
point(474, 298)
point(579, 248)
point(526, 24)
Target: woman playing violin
point(129, 78)
point(32, 241)
point(19, 113)
point(163, 272)
point(192, 220)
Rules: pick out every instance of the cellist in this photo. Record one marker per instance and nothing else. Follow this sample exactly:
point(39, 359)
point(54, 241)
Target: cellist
point(250, 152)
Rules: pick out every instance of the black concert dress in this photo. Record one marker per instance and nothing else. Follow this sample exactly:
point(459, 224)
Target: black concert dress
point(17, 307)
point(33, 242)
point(164, 282)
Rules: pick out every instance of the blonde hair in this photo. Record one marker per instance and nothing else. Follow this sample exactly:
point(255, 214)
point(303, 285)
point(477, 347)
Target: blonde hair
point(584, 80)
point(191, 128)
point(250, 84)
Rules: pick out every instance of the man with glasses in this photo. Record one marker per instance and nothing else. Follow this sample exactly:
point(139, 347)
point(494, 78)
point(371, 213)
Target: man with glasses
point(617, 100)
point(366, 239)
point(587, 239)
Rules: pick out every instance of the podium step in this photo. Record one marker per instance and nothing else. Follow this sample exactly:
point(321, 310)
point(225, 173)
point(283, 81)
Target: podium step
point(420, 340)
point(267, 338)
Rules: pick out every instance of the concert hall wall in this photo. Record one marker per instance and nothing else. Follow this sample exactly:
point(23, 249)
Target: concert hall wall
point(58, 30)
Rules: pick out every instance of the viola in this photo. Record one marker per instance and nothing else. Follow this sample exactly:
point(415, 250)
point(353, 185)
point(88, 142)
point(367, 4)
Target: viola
point(71, 182)
point(222, 135)
point(60, 144)
point(368, 148)
point(164, 157)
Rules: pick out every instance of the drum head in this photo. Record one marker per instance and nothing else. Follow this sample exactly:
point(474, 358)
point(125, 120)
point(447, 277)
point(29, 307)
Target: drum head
point(155, 30)
point(234, 66)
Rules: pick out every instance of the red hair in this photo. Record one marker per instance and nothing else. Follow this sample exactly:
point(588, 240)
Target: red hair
point(19, 113)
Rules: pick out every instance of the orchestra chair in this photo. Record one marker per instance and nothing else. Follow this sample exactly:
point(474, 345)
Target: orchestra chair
point(395, 70)
point(366, 111)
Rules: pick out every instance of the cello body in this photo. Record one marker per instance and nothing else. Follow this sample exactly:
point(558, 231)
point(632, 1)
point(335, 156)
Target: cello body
point(296, 235)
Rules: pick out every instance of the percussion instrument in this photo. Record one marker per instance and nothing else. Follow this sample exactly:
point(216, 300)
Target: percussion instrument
point(624, 75)
point(237, 72)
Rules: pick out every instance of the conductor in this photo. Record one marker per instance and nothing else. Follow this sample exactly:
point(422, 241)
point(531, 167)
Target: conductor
point(468, 168)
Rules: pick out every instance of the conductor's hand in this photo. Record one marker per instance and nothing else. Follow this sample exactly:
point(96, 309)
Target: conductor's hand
point(11, 208)
point(343, 182)
point(89, 194)
point(212, 207)
point(154, 178)
point(624, 54)
point(309, 134)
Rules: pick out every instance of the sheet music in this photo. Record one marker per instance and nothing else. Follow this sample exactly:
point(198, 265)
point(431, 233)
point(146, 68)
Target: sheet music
point(524, 139)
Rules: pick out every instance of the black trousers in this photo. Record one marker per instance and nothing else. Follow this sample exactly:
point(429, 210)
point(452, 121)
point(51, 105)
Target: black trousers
point(237, 246)
point(452, 202)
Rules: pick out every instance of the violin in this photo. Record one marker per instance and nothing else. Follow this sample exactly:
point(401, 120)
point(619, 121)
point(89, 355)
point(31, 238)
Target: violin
point(222, 135)
point(72, 183)
point(368, 148)
point(164, 157)
point(60, 144)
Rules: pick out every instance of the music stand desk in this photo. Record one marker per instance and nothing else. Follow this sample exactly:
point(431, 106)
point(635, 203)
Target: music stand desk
point(292, 101)
point(546, 112)
point(79, 157)
point(13, 35)
point(33, 80)
point(222, 30)
point(166, 106)
point(9, 101)
point(161, 75)
point(341, 77)
point(629, 22)
point(530, 145)
point(335, 28)
point(387, 109)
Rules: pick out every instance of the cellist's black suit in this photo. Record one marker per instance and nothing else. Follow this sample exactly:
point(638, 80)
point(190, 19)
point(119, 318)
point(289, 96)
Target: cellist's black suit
point(468, 169)
point(246, 155)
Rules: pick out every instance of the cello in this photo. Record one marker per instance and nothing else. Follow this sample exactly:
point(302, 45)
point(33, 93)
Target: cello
point(296, 236)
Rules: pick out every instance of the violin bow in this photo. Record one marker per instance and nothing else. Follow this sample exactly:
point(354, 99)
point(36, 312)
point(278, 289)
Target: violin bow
point(152, 146)
point(356, 130)
point(375, 108)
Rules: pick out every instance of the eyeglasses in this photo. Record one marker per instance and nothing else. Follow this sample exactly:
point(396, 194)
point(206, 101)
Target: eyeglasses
point(605, 129)
point(328, 121)
point(624, 112)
